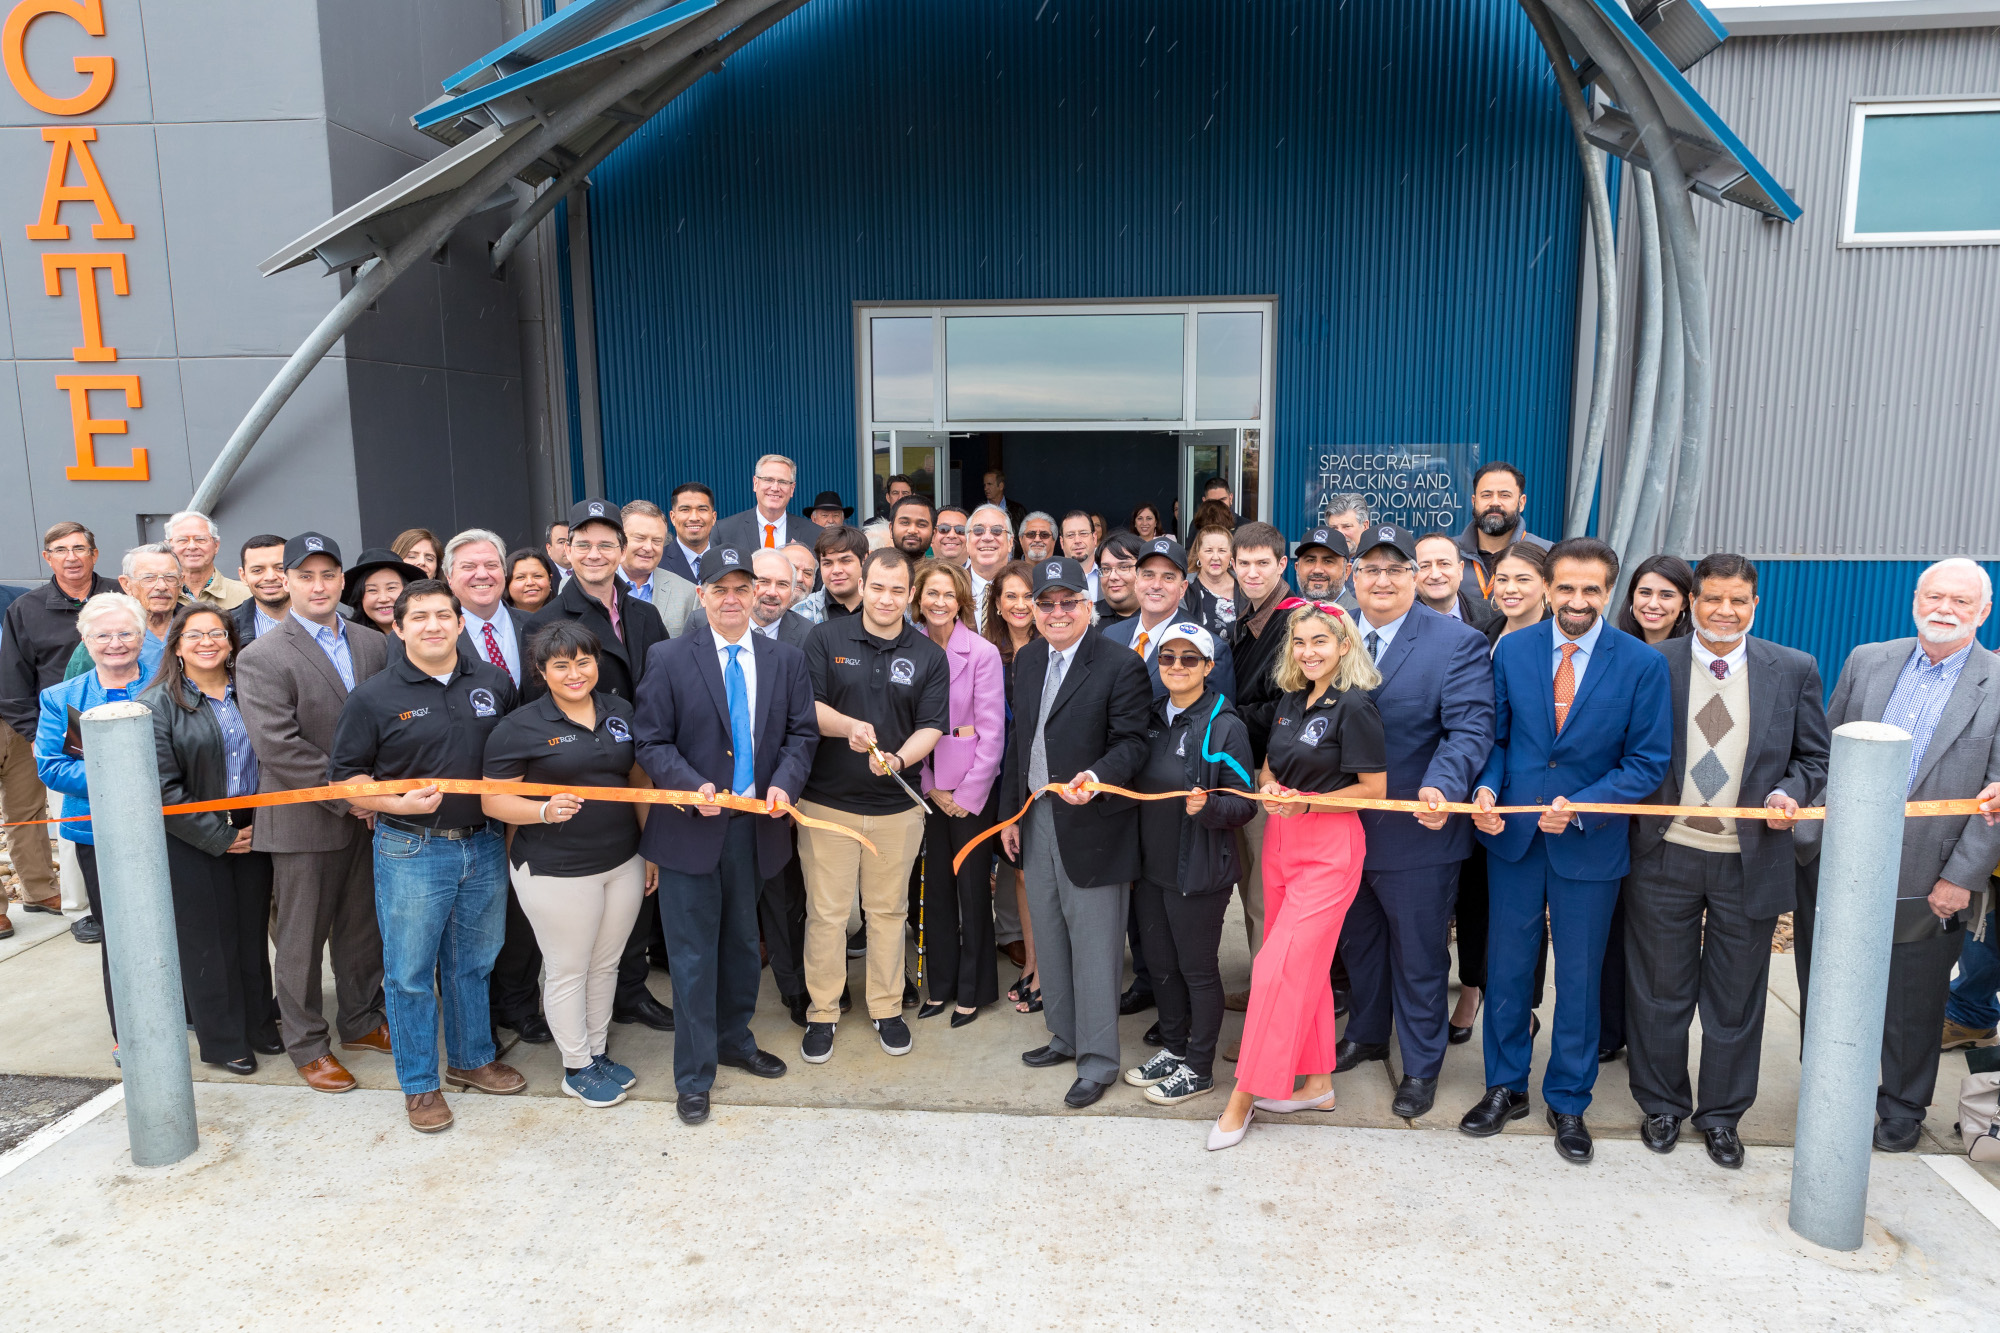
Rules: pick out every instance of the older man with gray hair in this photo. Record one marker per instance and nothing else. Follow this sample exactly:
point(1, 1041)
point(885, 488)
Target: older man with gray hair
point(1944, 690)
point(989, 545)
point(475, 565)
point(194, 540)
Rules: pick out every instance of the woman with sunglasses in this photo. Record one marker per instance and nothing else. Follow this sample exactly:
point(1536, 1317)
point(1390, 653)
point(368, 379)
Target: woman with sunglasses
point(221, 888)
point(1188, 861)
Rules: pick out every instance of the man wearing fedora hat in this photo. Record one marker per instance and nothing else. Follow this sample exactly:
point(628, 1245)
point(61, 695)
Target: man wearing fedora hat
point(828, 511)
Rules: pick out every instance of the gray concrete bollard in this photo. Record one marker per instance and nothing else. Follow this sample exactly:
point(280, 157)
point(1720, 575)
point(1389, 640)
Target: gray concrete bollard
point(123, 774)
point(1853, 928)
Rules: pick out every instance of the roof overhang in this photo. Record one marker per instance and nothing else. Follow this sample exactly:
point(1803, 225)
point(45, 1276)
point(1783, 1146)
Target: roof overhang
point(1811, 16)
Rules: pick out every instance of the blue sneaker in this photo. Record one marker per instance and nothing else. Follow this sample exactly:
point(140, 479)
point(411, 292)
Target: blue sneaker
point(590, 1086)
point(611, 1069)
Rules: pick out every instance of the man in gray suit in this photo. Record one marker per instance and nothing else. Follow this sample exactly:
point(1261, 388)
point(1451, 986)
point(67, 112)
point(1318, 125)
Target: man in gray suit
point(769, 524)
point(1705, 894)
point(290, 686)
point(1943, 689)
point(646, 541)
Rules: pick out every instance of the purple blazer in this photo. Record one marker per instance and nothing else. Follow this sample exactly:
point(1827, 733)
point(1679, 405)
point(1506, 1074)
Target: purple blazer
point(966, 766)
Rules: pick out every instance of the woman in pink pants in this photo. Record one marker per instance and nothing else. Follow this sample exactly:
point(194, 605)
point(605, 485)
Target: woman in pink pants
point(1325, 736)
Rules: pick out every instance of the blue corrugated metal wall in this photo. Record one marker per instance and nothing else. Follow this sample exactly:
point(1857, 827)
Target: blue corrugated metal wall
point(1829, 607)
point(1397, 173)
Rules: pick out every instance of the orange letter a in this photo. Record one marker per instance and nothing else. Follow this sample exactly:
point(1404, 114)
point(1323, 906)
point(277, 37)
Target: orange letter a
point(69, 141)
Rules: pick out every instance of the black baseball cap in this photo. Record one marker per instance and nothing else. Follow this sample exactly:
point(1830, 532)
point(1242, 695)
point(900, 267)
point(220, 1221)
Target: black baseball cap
point(1333, 539)
point(1399, 540)
point(307, 544)
point(595, 511)
point(1164, 546)
point(719, 560)
point(1060, 572)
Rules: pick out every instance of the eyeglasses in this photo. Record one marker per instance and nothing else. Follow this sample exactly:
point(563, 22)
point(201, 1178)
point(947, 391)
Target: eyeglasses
point(109, 637)
point(1064, 604)
point(68, 552)
point(951, 527)
point(774, 481)
point(205, 636)
point(983, 529)
point(1038, 536)
point(1188, 660)
point(1381, 573)
point(602, 548)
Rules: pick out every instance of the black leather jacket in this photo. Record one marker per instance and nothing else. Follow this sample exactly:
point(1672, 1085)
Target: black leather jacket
point(188, 742)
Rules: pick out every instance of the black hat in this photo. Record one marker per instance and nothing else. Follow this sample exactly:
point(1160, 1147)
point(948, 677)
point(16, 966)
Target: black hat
point(595, 511)
point(370, 560)
point(719, 560)
point(310, 543)
point(830, 500)
point(1333, 539)
point(1396, 539)
point(1060, 572)
point(1165, 546)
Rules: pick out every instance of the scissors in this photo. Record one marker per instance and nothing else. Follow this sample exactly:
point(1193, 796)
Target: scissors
point(882, 759)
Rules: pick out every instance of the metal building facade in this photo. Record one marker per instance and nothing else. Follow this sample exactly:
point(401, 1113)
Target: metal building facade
point(1397, 175)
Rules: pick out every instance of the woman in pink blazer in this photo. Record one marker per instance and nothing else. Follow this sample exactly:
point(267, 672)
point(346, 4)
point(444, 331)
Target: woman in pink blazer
point(958, 780)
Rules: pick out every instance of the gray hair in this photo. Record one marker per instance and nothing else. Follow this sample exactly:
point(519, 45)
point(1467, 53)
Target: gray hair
point(876, 530)
point(1962, 562)
point(1346, 502)
point(1006, 519)
point(775, 458)
point(175, 520)
point(1054, 526)
point(106, 605)
point(150, 548)
point(470, 537)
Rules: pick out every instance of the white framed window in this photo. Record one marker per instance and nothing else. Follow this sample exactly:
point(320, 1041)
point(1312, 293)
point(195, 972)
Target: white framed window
point(1922, 171)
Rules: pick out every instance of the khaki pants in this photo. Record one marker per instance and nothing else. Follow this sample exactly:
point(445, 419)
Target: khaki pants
point(1250, 847)
point(22, 797)
point(834, 866)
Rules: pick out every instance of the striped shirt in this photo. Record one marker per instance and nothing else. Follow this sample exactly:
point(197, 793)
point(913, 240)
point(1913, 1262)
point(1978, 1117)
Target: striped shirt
point(1923, 688)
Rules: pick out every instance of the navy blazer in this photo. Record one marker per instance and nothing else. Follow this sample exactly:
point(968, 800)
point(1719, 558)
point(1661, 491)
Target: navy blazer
point(682, 728)
point(1436, 701)
point(1615, 747)
point(1222, 679)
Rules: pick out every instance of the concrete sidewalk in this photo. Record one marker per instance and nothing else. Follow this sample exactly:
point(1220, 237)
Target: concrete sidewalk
point(303, 1210)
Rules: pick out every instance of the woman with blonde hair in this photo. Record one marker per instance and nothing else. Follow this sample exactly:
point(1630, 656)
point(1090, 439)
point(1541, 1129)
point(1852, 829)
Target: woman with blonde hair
point(1326, 737)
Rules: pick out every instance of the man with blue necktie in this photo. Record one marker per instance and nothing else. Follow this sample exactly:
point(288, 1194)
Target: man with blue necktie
point(721, 710)
point(1582, 713)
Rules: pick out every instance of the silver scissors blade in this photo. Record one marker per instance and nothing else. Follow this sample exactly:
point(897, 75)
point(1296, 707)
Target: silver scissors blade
point(883, 760)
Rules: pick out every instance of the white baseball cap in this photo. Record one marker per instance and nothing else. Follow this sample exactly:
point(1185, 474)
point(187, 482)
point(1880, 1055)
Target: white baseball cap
point(1203, 641)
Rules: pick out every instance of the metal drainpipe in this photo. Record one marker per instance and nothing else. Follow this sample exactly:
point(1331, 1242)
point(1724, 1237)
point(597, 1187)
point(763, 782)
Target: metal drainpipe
point(1677, 221)
point(453, 209)
point(1667, 405)
point(1597, 198)
point(1645, 371)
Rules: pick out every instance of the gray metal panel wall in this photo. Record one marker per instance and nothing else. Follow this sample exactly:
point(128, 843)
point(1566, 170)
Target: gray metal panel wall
point(1856, 388)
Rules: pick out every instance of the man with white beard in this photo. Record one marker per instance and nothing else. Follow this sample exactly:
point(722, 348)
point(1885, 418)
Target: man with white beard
point(1944, 690)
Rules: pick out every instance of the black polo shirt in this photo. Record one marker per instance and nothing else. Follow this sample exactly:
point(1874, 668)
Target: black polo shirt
point(1320, 749)
point(401, 723)
point(898, 686)
point(537, 743)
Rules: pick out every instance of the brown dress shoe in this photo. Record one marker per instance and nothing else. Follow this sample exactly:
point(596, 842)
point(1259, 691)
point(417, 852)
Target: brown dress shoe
point(428, 1112)
point(1238, 1000)
point(494, 1077)
point(1016, 952)
point(326, 1074)
point(51, 906)
point(6, 926)
point(377, 1041)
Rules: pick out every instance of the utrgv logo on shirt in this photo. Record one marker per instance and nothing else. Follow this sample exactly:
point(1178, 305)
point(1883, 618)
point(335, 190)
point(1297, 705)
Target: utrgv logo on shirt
point(617, 728)
point(483, 702)
point(561, 740)
point(902, 671)
point(847, 661)
point(1314, 733)
point(414, 712)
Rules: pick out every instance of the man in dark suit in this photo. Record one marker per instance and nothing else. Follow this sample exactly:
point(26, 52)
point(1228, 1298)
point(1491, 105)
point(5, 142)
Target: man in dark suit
point(1705, 893)
point(290, 686)
point(1581, 713)
point(1944, 690)
point(691, 511)
point(769, 524)
point(261, 567)
point(1080, 709)
point(1441, 583)
point(1436, 701)
point(1162, 581)
point(589, 597)
point(747, 727)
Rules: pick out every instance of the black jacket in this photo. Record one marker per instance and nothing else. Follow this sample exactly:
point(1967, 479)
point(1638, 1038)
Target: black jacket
point(35, 646)
point(1194, 853)
point(620, 665)
point(188, 742)
point(1099, 723)
point(1254, 655)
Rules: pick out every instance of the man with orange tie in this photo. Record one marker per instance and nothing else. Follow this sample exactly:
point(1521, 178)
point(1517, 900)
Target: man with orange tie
point(769, 524)
point(1162, 580)
point(1582, 713)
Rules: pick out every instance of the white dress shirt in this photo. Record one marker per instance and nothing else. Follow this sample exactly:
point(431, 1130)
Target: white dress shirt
point(778, 538)
point(503, 630)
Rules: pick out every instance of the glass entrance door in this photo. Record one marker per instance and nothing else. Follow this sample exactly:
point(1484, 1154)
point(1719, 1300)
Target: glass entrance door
point(1205, 454)
point(923, 456)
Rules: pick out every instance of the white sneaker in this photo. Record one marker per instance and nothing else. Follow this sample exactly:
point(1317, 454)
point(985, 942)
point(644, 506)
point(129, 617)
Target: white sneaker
point(1323, 1102)
point(1219, 1138)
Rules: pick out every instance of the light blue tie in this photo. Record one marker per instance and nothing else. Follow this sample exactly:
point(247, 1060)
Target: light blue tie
point(739, 723)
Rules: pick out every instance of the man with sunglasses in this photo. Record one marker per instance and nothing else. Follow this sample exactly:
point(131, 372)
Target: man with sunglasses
point(989, 545)
point(948, 536)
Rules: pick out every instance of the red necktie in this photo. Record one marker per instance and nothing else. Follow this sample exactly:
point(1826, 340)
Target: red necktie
point(1565, 686)
point(493, 653)
point(1720, 668)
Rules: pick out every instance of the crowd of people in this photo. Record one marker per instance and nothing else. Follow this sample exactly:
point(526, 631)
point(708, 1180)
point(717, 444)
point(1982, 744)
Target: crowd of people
point(905, 685)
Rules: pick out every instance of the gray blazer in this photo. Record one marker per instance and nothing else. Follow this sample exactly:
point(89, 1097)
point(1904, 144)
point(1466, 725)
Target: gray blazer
point(794, 629)
point(1788, 742)
point(290, 696)
point(673, 597)
point(1963, 756)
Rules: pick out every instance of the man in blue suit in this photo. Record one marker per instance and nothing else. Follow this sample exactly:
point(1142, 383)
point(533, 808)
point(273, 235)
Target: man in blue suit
point(1436, 701)
point(1582, 713)
point(722, 710)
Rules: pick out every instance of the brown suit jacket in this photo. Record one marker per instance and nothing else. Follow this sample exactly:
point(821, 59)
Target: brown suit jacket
point(290, 696)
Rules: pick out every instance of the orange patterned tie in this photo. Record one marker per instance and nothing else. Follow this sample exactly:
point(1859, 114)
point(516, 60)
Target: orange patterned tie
point(1565, 686)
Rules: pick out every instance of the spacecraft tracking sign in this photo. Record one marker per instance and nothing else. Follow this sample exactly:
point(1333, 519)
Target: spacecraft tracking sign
point(1422, 487)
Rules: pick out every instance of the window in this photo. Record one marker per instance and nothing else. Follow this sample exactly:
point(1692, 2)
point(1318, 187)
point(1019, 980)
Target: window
point(1064, 367)
point(1923, 173)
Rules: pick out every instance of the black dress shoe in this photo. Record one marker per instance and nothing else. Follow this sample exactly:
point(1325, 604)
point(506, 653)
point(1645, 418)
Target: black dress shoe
point(959, 1018)
point(534, 1029)
point(1606, 1054)
point(1339, 1002)
point(1153, 1037)
point(1724, 1148)
point(87, 930)
point(1897, 1135)
point(1044, 1057)
point(1572, 1137)
point(761, 1063)
point(1083, 1093)
point(1457, 1035)
point(797, 1005)
point(1348, 1053)
point(244, 1065)
point(1495, 1109)
point(1135, 1000)
point(1414, 1097)
point(1660, 1132)
point(691, 1107)
point(933, 1009)
point(648, 1011)
point(267, 1045)
point(909, 994)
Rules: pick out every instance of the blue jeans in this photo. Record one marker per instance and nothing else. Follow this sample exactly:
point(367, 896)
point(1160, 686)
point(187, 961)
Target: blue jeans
point(442, 904)
point(1972, 1003)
